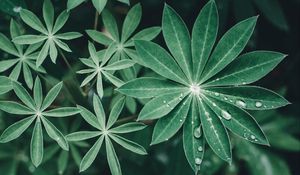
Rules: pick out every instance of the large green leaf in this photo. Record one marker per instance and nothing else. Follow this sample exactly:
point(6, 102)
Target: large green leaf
point(51, 95)
point(257, 64)
point(168, 125)
point(161, 105)
point(158, 59)
point(229, 47)
point(214, 132)
point(89, 117)
point(82, 135)
point(248, 97)
point(112, 158)
point(110, 24)
point(23, 95)
point(48, 14)
point(99, 110)
point(193, 141)
point(115, 112)
point(149, 87)
point(32, 20)
point(203, 37)
point(15, 108)
point(130, 145)
point(238, 121)
point(177, 38)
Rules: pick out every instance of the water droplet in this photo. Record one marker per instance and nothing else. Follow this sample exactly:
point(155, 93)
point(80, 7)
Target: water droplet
point(214, 104)
point(200, 148)
point(17, 9)
point(217, 94)
point(192, 122)
point(197, 132)
point(165, 101)
point(198, 161)
point(252, 137)
point(225, 98)
point(168, 105)
point(206, 114)
point(258, 104)
point(180, 120)
point(225, 115)
point(244, 83)
point(240, 103)
point(181, 95)
point(231, 101)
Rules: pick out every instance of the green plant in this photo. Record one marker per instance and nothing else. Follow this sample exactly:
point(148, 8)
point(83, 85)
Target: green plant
point(199, 85)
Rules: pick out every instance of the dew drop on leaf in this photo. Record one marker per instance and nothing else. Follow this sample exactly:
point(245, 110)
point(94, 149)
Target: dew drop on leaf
point(225, 115)
point(165, 101)
point(258, 104)
point(252, 137)
point(198, 161)
point(240, 103)
point(200, 148)
point(217, 94)
point(197, 132)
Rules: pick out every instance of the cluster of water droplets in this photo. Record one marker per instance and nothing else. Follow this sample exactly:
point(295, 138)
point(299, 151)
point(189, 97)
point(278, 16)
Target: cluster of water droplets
point(249, 136)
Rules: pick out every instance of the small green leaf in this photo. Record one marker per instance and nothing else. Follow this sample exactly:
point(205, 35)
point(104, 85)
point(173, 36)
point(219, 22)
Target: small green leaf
point(15, 108)
point(5, 84)
point(32, 20)
point(61, 20)
point(161, 105)
point(169, 125)
point(229, 47)
point(110, 24)
point(43, 54)
point(113, 79)
point(128, 127)
point(158, 59)
point(15, 130)
point(15, 73)
point(214, 132)
point(131, 21)
point(91, 155)
point(6, 64)
point(37, 145)
point(99, 37)
point(68, 35)
point(62, 162)
point(23, 95)
point(62, 45)
point(52, 51)
point(7, 46)
point(89, 117)
point(62, 112)
point(52, 94)
point(82, 135)
point(115, 112)
point(122, 64)
point(73, 3)
point(38, 92)
point(27, 76)
point(93, 53)
point(177, 38)
point(112, 158)
point(257, 64)
point(147, 34)
point(48, 14)
point(100, 114)
point(55, 134)
point(130, 145)
point(99, 5)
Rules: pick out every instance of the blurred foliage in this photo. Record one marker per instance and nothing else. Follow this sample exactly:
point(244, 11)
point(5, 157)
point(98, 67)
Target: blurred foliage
point(278, 29)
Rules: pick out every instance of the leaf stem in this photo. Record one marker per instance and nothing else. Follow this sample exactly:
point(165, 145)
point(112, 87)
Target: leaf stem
point(96, 20)
point(65, 59)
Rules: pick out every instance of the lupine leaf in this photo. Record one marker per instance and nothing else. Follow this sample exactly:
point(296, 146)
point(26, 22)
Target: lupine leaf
point(112, 158)
point(91, 155)
point(99, 37)
point(177, 38)
point(146, 34)
point(23, 95)
point(214, 132)
point(37, 145)
point(161, 105)
point(52, 94)
point(122, 64)
point(128, 127)
point(149, 87)
point(38, 92)
point(159, 61)
point(43, 53)
point(6, 45)
point(68, 35)
point(257, 63)
point(131, 21)
point(15, 130)
point(203, 36)
point(229, 47)
point(6, 64)
point(99, 5)
point(32, 20)
point(15, 108)
point(130, 145)
point(89, 117)
point(27, 75)
point(248, 97)
point(62, 112)
point(60, 21)
point(55, 134)
point(193, 139)
point(168, 125)
point(110, 24)
point(115, 112)
point(73, 3)
point(100, 114)
point(82, 135)
point(48, 14)
point(5, 85)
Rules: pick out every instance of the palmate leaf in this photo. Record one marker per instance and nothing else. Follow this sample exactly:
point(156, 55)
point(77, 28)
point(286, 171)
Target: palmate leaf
point(106, 131)
point(48, 34)
point(211, 81)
